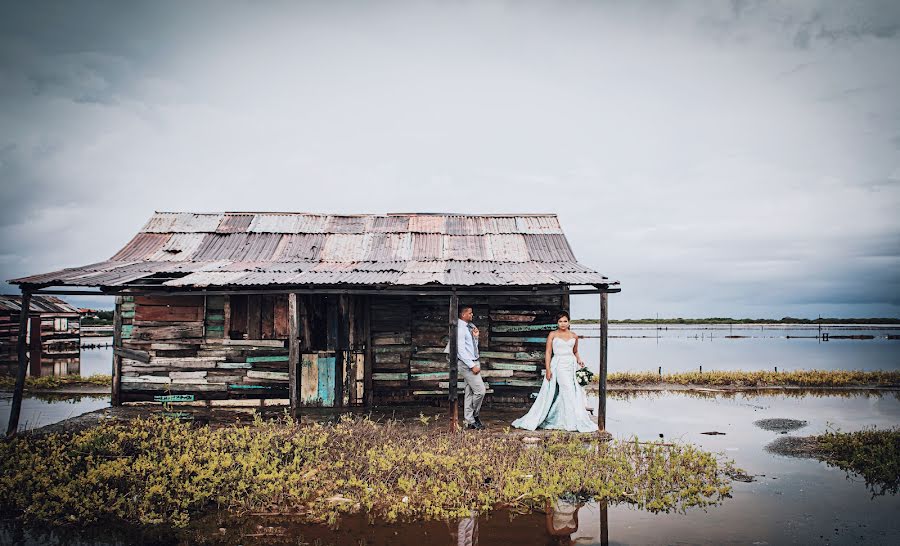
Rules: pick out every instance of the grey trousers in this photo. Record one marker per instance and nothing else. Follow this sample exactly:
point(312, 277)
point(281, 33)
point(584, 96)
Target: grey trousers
point(474, 392)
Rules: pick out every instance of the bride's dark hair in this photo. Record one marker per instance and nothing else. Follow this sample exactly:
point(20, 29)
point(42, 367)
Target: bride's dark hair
point(562, 314)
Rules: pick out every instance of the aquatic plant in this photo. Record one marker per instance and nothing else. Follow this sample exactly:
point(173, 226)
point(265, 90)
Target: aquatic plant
point(872, 453)
point(157, 470)
point(762, 378)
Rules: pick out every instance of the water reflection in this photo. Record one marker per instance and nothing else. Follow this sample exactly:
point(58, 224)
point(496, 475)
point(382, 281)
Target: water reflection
point(94, 358)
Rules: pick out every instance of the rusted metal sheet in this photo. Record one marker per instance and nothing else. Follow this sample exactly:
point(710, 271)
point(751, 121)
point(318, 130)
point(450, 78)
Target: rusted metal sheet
point(39, 304)
point(427, 224)
point(509, 247)
point(463, 225)
point(261, 249)
point(390, 224)
point(180, 247)
point(142, 246)
point(549, 248)
point(346, 224)
point(465, 247)
point(235, 223)
point(389, 247)
point(182, 222)
point(300, 247)
point(538, 224)
point(343, 247)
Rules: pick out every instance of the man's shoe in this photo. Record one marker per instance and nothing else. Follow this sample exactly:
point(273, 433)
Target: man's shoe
point(479, 424)
point(473, 426)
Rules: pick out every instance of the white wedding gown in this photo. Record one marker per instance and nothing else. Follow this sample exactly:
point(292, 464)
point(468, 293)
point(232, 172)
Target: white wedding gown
point(561, 404)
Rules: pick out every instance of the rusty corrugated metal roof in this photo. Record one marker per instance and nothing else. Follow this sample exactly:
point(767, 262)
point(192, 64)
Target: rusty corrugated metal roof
point(39, 304)
point(260, 249)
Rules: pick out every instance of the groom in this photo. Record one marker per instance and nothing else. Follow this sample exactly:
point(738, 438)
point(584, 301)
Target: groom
point(469, 367)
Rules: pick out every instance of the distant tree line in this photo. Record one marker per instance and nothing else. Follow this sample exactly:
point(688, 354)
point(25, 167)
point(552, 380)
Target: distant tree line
point(729, 320)
point(104, 318)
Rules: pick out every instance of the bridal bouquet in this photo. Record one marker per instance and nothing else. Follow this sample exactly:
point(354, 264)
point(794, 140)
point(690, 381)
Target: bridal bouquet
point(584, 376)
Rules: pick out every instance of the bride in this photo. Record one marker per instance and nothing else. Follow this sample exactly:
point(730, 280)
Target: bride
point(561, 403)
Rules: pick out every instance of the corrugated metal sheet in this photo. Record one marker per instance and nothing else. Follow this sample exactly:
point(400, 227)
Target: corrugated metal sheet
point(549, 248)
point(465, 247)
point(509, 247)
point(538, 224)
point(142, 246)
point(343, 248)
point(300, 247)
point(258, 249)
point(39, 304)
point(182, 222)
point(390, 224)
point(235, 223)
point(180, 247)
point(463, 225)
point(346, 224)
point(389, 247)
point(428, 224)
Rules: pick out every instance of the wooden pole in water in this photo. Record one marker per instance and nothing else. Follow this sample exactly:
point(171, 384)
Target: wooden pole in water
point(452, 361)
point(294, 354)
point(604, 346)
point(16, 408)
point(116, 390)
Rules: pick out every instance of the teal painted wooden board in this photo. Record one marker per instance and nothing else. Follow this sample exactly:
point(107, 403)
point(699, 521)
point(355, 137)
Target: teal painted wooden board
point(522, 327)
point(174, 398)
point(268, 358)
point(326, 380)
point(519, 339)
point(126, 331)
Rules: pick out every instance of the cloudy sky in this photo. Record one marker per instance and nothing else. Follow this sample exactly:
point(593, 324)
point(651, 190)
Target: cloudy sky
point(718, 158)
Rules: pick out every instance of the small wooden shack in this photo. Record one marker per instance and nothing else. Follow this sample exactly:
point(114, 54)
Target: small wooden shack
point(330, 310)
point(52, 328)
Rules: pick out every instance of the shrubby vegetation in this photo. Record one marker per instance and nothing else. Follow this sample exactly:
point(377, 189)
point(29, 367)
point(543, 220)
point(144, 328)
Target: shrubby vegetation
point(874, 454)
point(163, 471)
point(729, 320)
point(761, 378)
point(55, 381)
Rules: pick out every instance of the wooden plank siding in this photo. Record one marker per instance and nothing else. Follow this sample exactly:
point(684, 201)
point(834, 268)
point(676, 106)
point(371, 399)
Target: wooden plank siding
point(351, 350)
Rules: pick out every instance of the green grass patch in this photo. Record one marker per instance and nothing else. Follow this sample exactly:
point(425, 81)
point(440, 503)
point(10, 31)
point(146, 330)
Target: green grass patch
point(49, 382)
point(163, 471)
point(761, 378)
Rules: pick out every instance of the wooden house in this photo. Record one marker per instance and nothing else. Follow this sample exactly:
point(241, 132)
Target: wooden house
point(52, 328)
point(329, 310)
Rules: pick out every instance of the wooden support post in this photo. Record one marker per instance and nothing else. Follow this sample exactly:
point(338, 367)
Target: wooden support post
point(452, 361)
point(294, 355)
point(16, 408)
point(370, 353)
point(116, 389)
point(604, 351)
point(35, 347)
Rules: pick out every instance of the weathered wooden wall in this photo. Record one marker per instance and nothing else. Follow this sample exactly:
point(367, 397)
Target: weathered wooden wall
point(62, 342)
point(182, 345)
point(410, 334)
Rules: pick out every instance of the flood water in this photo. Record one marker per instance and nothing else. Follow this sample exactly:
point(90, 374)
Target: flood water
point(798, 501)
point(686, 348)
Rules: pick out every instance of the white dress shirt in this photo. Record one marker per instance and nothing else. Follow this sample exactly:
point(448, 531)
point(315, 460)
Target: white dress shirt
point(465, 344)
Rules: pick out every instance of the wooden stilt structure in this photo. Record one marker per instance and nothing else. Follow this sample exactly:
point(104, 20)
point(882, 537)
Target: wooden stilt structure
point(452, 360)
point(604, 351)
point(16, 408)
point(294, 376)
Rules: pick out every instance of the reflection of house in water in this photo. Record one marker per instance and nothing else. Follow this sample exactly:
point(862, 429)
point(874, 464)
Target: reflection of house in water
point(53, 335)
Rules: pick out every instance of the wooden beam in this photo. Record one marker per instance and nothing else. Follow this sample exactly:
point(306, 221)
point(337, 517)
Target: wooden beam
point(452, 362)
point(294, 354)
point(116, 390)
point(370, 354)
point(35, 346)
point(604, 351)
point(16, 408)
